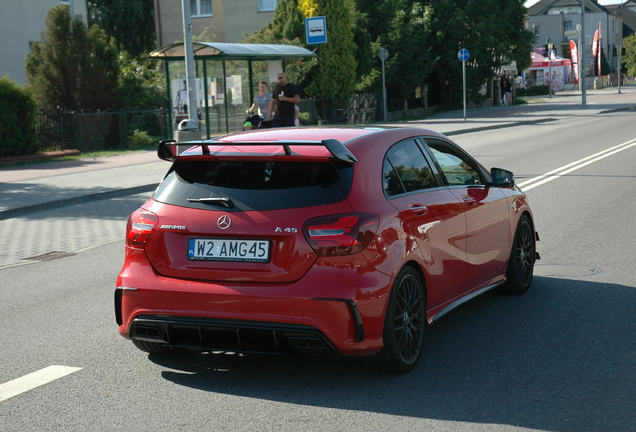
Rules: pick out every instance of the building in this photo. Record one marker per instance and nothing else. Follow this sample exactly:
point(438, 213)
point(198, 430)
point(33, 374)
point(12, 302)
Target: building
point(21, 24)
point(558, 21)
point(627, 10)
point(225, 20)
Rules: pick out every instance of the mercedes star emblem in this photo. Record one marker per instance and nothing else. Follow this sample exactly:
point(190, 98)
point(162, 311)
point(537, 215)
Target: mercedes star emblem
point(224, 222)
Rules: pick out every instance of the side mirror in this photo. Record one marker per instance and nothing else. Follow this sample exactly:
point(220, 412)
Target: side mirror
point(502, 177)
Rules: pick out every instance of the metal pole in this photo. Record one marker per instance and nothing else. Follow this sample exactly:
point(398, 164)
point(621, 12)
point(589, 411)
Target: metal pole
point(383, 90)
point(189, 60)
point(206, 99)
point(549, 75)
point(618, 59)
point(464, 81)
point(170, 109)
point(582, 65)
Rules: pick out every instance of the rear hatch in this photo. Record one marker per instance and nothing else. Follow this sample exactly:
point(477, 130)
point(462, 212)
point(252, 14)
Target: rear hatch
point(239, 217)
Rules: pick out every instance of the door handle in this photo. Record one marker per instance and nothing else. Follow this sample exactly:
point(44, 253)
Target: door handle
point(419, 209)
point(468, 200)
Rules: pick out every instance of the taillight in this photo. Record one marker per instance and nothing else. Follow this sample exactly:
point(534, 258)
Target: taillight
point(141, 225)
point(342, 234)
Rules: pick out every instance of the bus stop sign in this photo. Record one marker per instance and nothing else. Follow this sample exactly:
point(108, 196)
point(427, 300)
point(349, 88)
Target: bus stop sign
point(316, 30)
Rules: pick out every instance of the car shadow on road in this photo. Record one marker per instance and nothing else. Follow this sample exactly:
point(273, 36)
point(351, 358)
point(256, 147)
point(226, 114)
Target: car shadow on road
point(560, 358)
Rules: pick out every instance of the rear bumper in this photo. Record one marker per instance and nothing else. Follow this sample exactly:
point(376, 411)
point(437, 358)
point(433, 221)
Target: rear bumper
point(228, 335)
point(329, 310)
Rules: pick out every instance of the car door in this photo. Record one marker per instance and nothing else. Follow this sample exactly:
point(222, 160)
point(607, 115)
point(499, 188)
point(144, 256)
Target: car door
point(486, 210)
point(431, 214)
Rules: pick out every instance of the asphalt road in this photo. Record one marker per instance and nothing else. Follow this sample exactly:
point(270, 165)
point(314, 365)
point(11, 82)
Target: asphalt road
point(560, 358)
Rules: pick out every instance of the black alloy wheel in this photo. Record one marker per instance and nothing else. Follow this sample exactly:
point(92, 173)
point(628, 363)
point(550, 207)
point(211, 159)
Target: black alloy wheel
point(521, 265)
point(404, 326)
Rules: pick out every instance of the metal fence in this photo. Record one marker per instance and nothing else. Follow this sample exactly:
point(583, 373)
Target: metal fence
point(89, 132)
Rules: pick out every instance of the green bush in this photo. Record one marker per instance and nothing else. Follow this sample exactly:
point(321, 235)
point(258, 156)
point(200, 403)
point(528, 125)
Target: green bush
point(139, 138)
point(151, 123)
point(17, 120)
point(304, 118)
point(539, 90)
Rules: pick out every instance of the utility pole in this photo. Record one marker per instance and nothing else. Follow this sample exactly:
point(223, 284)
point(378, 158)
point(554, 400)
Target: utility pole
point(189, 60)
point(618, 59)
point(582, 65)
point(550, 46)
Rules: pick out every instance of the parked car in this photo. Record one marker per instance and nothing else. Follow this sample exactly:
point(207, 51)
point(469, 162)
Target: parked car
point(345, 240)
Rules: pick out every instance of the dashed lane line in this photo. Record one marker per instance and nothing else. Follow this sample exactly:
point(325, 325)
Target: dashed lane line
point(34, 380)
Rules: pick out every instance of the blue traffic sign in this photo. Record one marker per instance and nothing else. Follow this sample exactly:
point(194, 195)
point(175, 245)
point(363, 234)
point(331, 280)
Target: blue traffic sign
point(316, 30)
point(463, 54)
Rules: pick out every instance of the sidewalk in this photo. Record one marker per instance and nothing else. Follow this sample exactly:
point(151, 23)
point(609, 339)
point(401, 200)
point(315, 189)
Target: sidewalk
point(45, 186)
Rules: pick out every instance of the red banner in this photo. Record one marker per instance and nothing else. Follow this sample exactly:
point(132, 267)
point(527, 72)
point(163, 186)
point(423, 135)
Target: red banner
point(574, 55)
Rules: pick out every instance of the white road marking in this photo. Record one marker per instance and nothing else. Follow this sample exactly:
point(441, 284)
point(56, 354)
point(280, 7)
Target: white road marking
point(566, 169)
point(33, 380)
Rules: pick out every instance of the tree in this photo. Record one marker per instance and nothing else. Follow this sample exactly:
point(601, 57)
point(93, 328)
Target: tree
point(288, 21)
point(409, 44)
point(72, 67)
point(494, 33)
point(139, 85)
point(130, 22)
point(629, 59)
point(17, 118)
point(379, 14)
point(335, 77)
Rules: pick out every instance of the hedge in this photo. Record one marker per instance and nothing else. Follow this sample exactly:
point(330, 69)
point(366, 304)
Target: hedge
point(17, 119)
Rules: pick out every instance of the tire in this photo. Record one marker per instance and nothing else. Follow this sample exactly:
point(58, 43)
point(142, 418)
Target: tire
point(404, 326)
point(157, 348)
point(521, 264)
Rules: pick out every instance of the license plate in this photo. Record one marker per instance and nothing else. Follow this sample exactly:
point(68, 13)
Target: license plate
point(228, 250)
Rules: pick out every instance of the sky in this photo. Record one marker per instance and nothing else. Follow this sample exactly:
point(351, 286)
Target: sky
point(603, 2)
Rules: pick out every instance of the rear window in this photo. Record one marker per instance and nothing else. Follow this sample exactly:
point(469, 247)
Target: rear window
point(255, 185)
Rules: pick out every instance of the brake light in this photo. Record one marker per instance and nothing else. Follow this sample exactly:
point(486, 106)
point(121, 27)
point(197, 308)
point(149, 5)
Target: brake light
point(141, 225)
point(344, 234)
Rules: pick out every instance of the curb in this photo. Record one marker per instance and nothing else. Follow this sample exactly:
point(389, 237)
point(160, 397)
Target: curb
point(38, 157)
point(17, 212)
point(506, 125)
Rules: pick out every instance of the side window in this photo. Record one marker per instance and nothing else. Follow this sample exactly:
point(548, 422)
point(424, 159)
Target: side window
point(456, 169)
point(405, 169)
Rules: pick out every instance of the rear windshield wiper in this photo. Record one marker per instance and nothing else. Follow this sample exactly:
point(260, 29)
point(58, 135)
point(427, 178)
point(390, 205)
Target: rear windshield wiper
point(220, 201)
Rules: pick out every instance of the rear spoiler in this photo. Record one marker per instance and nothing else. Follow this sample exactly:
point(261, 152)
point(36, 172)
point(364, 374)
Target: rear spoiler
point(169, 149)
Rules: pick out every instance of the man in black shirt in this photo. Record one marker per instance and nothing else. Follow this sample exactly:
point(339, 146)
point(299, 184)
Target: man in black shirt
point(284, 99)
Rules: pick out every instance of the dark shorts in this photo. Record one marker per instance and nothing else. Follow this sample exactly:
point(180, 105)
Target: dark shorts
point(284, 121)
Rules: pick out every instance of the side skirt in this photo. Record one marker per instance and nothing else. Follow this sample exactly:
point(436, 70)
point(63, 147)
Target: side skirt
point(464, 299)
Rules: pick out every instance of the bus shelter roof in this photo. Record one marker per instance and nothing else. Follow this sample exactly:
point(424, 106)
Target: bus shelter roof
point(231, 51)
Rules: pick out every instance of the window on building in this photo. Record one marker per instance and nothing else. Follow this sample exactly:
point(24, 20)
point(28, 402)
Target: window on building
point(535, 27)
point(568, 26)
point(200, 8)
point(267, 5)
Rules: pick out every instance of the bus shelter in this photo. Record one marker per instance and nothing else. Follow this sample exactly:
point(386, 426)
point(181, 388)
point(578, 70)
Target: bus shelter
point(225, 79)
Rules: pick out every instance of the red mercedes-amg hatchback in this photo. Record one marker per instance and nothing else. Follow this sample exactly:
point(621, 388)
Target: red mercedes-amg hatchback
point(318, 239)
